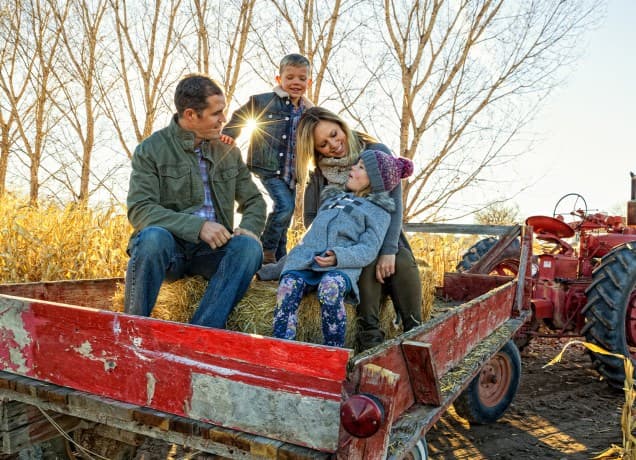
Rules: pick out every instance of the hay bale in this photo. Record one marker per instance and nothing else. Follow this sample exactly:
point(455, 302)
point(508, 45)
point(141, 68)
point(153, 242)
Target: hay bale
point(177, 301)
point(254, 314)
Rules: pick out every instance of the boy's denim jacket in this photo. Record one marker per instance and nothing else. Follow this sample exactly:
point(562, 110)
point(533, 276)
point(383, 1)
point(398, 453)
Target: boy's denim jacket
point(268, 143)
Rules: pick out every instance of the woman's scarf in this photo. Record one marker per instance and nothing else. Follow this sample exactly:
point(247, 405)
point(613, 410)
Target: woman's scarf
point(335, 170)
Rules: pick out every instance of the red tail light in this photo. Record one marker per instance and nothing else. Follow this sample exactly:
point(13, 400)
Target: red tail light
point(362, 415)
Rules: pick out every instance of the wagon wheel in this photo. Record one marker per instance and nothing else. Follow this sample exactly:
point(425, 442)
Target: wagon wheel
point(610, 312)
point(490, 393)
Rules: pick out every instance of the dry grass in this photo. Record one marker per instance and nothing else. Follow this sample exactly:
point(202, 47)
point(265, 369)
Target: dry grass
point(49, 242)
point(440, 252)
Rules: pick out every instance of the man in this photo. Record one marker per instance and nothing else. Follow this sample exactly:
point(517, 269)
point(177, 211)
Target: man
point(183, 187)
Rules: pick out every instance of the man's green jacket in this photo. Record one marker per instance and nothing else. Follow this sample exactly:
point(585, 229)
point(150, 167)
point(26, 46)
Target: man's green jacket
point(166, 185)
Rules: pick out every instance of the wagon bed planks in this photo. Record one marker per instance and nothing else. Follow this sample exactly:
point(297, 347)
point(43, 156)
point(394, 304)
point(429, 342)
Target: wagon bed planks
point(200, 373)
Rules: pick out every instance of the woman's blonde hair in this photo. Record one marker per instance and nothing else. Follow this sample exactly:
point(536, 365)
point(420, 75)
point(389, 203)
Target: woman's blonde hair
point(306, 155)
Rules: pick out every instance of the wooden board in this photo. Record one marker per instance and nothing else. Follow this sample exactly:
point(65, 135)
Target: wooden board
point(450, 337)
point(22, 425)
point(96, 293)
point(281, 389)
point(123, 421)
point(467, 286)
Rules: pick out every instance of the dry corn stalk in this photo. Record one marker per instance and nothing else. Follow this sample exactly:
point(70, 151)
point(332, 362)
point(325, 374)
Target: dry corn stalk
point(49, 242)
point(628, 420)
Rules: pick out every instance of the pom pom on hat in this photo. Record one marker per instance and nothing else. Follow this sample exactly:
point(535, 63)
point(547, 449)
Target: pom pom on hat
point(385, 171)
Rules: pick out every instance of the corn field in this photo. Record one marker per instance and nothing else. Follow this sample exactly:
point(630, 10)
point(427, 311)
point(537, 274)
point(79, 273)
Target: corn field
point(51, 242)
point(48, 242)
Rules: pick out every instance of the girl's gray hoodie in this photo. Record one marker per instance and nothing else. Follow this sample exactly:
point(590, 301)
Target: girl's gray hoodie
point(350, 226)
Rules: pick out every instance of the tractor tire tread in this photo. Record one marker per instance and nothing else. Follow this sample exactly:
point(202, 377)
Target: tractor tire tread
point(481, 247)
point(606, 309)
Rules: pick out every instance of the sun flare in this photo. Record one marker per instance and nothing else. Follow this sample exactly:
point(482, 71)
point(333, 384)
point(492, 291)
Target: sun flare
point(250, 126)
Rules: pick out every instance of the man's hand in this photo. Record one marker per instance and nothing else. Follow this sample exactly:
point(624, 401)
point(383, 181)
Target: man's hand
point(215, 234)
point(385, 267)
point(243, 231)
point(227, 139)
point(328, 259)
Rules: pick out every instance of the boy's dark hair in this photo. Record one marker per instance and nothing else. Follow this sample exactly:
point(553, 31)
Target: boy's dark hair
point(193, 91)
point(295, 60)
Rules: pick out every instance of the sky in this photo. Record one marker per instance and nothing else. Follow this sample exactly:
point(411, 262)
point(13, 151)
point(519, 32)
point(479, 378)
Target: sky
point(588, 126)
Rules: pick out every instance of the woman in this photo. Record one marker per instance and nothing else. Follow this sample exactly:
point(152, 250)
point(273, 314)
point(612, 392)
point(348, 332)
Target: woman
point(325, 142)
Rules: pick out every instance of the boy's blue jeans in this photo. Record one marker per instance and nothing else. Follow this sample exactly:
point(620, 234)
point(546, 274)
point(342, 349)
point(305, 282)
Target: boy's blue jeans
point(156, 255)
point(274, 237)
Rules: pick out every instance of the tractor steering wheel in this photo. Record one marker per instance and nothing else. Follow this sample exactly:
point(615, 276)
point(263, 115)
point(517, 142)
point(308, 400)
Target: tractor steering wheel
point(573, 204)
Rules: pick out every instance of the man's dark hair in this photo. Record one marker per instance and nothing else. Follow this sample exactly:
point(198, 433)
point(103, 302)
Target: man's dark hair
point(193, 91)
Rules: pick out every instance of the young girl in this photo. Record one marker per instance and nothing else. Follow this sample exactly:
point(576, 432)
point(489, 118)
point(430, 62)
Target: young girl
point(345, 236)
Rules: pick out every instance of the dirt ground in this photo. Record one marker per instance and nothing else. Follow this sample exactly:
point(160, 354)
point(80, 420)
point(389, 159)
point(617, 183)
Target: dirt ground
point(561, 412)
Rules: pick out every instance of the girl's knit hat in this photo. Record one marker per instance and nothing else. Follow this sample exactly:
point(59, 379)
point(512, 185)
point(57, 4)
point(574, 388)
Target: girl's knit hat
point(385, 171)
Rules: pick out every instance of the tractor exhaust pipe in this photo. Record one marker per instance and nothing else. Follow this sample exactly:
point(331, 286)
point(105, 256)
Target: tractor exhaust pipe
point(631, 205)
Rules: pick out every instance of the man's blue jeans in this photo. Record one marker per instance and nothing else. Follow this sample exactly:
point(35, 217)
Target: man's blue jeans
point(274, 236)
point(156, 255)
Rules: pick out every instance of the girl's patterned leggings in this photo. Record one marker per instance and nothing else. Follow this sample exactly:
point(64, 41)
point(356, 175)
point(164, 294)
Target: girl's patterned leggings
point(331, 291)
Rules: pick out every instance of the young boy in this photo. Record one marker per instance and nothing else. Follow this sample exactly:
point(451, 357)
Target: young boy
point(271, 154)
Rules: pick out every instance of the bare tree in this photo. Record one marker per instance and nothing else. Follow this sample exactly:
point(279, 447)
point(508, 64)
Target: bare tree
point(12, 86)
point(222, 30)
point(80, 26)
point(148, 34)
point(313, 28)
point(449, 84)
point(460, 81)
point(499, 213)
point(6, 140)
point(28, 85)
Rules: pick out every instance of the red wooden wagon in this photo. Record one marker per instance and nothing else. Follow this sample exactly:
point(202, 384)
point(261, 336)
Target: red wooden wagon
point(244, 396)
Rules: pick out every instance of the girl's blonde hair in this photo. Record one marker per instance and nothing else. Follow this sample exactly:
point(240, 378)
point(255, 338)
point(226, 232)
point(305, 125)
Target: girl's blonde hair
point(364, 192)
point(306, 155)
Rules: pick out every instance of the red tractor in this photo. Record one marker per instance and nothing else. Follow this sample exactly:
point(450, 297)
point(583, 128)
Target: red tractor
point(584, 278)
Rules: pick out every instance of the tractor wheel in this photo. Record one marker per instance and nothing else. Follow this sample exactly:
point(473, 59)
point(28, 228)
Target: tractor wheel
point(506, 264)
point(610, 312)
point(490, 393)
